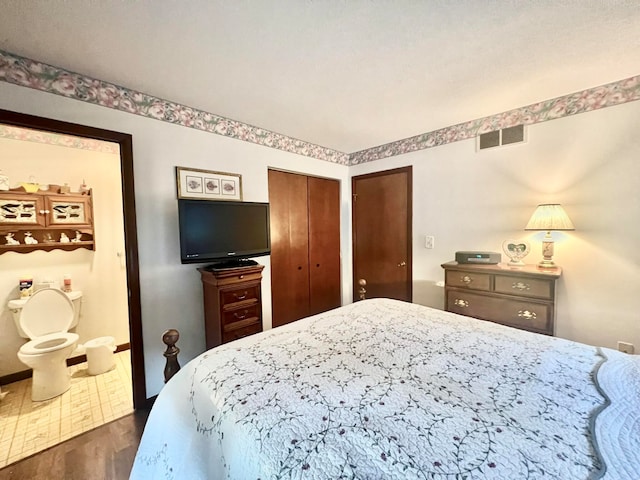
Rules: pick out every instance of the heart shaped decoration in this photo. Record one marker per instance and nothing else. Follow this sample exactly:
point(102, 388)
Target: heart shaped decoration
point(516, 250)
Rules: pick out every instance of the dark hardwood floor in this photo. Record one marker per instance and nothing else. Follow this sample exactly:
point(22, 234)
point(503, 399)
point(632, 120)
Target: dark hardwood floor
point(106, 452)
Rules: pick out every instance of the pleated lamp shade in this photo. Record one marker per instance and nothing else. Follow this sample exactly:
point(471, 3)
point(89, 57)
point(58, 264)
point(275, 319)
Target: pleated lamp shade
point(549, 216)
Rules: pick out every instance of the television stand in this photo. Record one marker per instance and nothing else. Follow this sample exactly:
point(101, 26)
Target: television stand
point(232, 263)
point(232, 303)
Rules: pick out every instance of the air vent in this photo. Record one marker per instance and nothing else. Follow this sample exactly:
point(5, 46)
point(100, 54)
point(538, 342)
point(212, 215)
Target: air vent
point(505, 136)
point(490, 139)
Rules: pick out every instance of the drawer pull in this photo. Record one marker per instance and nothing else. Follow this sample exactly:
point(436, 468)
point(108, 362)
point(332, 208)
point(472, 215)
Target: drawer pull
point(241, 316)
point(241, 297)
point(527, 314)
point(467, 279)
point(458, 302)
point(240, 277)
point(520, 286)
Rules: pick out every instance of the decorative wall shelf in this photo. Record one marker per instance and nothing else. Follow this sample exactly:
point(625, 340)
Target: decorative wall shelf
point(46, 217)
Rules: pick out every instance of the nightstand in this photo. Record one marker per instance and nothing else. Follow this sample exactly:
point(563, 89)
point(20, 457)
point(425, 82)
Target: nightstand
point(521, 297)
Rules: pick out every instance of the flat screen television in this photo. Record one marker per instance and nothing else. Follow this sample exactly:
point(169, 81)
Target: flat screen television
point(223, 232)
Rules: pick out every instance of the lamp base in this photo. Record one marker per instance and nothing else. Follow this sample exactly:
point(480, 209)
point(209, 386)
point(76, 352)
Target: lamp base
point(547, 265)
point(547, 253)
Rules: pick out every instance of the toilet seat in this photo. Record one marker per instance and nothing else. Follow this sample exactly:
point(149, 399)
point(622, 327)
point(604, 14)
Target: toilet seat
point(49, 343)
point(47, 311)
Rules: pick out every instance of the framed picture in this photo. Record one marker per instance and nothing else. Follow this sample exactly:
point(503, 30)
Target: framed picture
point(196, 183)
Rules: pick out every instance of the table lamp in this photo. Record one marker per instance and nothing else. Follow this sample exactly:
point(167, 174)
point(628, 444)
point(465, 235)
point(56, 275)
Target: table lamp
point(547, 217)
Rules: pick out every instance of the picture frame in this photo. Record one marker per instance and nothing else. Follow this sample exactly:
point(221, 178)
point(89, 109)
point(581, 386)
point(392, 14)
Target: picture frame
point(208, 184)
point(516, 250)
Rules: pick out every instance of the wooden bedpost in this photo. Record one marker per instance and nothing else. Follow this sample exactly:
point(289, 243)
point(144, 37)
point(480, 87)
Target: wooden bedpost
point(170, 337)
point(362, 291)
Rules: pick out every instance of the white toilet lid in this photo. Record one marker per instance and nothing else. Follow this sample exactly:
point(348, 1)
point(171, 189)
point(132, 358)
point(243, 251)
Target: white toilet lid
point(47, 311)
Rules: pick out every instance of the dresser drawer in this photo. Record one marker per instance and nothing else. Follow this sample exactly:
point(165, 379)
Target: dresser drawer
point(532, 316)
point(238, 277)
point(242, 294)
point(524, 287)
point(243, 330)
point(230, 317)
point(476, 281)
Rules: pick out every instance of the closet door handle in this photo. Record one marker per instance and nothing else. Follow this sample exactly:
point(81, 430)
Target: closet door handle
point(299, 267)
point(317, 264)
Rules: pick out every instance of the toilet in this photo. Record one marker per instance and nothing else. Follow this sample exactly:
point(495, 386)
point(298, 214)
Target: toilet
point(46, 318)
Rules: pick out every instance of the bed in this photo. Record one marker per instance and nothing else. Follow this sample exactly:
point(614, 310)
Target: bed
point(382, 389)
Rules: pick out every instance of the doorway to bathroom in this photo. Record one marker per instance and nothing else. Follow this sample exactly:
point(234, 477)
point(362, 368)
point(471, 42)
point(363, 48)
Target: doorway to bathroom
point(131, 361)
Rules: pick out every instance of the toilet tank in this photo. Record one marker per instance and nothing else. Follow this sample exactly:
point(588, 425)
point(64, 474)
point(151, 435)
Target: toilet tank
point(15, 306)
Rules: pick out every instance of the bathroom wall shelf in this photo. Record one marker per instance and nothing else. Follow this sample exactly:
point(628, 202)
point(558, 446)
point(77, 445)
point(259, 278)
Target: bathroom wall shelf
point(47, 247)
point(47, 217)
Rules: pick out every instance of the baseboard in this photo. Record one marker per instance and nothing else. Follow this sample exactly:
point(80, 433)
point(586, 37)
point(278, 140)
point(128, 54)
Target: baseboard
point(24, 374)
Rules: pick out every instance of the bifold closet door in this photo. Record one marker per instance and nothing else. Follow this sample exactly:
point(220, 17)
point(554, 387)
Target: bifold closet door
point(305, 245)
point(289, 247)
point(324, 244)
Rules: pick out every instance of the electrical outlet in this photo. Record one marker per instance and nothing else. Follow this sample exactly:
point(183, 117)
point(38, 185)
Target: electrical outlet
point(625, 347)
point(429, 241)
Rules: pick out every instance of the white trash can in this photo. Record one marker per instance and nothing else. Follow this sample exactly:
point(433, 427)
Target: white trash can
point(100, 355)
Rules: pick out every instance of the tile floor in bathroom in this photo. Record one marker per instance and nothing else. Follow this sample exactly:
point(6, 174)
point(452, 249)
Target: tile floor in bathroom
point(28, 427)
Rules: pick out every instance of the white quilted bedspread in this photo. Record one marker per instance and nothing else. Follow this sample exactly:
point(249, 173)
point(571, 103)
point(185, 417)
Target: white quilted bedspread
point(382, 389)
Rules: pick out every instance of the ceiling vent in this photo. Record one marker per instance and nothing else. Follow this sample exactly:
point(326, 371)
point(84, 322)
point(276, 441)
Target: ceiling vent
point(506, 136)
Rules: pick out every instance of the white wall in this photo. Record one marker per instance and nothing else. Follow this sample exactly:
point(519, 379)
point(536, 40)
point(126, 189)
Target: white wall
point(467, 200)
point(99, 274)
point(473, 200)
point(171, 293)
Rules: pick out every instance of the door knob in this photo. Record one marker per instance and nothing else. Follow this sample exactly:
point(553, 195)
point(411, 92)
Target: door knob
point(402, 264)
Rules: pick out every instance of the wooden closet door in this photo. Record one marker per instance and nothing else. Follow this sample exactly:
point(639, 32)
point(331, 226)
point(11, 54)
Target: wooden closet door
point(324, 244)
point(289, 247)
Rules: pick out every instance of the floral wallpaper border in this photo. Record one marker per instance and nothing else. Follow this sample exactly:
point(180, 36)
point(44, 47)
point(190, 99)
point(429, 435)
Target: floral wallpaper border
point(40, 76)
point(615, 93)
point(38, 136)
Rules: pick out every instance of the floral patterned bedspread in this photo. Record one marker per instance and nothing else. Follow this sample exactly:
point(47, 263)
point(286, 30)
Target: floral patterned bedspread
point(382, 389)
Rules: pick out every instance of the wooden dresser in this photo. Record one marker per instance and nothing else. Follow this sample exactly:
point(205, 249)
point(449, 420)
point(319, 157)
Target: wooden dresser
point(521, 297)
point(232, 303)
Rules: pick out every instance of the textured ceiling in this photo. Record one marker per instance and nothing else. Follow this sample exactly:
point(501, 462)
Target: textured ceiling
point(349, 74)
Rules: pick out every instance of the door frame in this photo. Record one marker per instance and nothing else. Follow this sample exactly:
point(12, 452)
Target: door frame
point(125, 141)
point(409, 171)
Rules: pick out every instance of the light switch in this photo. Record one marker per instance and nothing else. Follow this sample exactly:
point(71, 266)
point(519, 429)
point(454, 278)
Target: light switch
point(429, 241)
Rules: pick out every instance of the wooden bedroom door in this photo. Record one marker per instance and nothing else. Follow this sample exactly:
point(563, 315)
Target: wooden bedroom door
point(305, 245)
point(382, 217)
